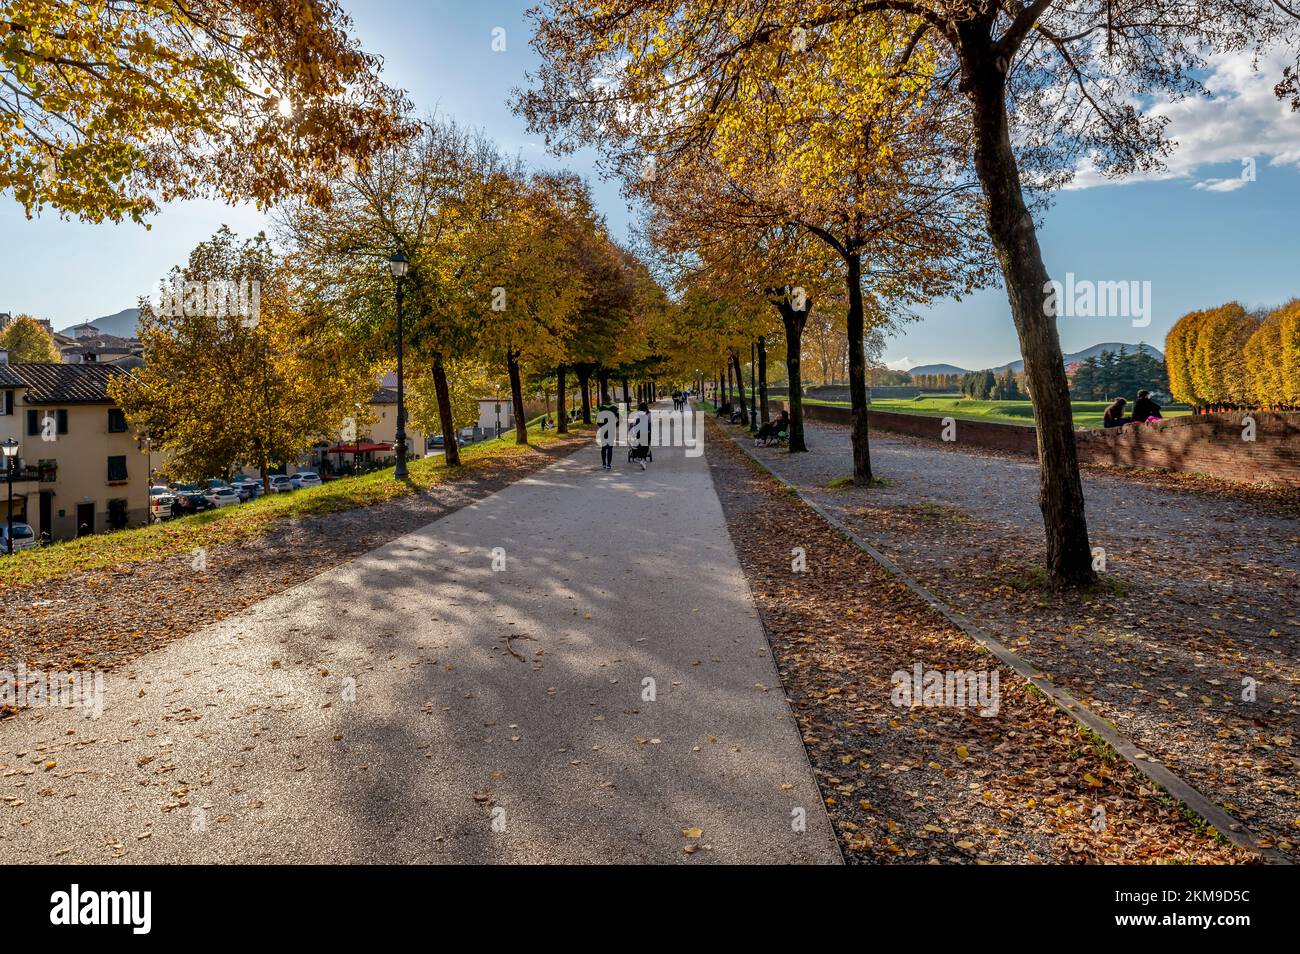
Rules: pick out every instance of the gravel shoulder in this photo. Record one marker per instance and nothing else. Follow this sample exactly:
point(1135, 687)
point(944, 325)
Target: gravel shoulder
point(1190, 650)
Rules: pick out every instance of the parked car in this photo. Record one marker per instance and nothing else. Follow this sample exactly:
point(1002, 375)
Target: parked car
point(222, 496)
point(437, 440)
point(305, 478)
point(213, 483)
point(161, 503)
point(252, 485)
point(190, 502)
point(24, 536)
point(185, 488)
point(280, 484)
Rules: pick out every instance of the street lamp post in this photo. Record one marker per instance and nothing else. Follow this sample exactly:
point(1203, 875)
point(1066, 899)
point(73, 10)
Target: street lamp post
point(399, 263)
point(753, 390)
point(10, 447)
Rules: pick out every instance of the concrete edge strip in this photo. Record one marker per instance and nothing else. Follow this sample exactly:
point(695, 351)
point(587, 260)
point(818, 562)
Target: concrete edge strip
point(1229, 827)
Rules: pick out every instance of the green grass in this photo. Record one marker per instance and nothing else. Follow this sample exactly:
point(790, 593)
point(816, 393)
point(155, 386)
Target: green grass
point(246, 521)
point(1086, 413)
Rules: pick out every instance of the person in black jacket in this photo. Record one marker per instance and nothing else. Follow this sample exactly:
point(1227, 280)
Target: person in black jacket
point(1145, 408)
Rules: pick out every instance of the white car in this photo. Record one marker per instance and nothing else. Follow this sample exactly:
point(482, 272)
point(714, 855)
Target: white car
point(24, 536)
point(222, 496)
point(161, 501)
point(305, 478)
point(281, 484)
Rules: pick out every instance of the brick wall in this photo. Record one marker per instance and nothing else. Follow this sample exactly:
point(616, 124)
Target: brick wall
point(1203, 444)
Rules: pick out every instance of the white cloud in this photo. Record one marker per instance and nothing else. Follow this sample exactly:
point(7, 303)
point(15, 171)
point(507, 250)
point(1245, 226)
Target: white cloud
point(1220, 185)
point(1239, 122)
point(900, 364)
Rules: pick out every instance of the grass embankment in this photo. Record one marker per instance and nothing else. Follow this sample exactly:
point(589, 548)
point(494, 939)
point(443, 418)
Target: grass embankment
point(242, 522)
point(1086, 413)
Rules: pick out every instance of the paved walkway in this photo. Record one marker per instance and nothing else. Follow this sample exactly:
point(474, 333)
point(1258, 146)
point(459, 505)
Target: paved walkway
point(245, 741)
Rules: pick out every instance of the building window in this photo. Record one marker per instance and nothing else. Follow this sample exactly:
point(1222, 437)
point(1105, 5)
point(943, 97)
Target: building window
point(36, 422)
point(118, 514)
point(7, 406)
point(117, 468)
point(116, 420)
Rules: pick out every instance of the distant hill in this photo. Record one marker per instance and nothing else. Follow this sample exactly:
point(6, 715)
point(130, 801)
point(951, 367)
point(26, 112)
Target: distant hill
point(1087, 353)
point(121, 324)
point(1019, 364)
point(936, 369)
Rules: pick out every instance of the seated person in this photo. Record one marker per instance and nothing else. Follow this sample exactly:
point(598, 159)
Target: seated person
point(775, 427)
point(1144, 409)
point(1114, 416)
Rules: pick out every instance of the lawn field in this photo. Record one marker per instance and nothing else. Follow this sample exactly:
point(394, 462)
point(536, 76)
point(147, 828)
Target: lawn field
point(1086, 413)
point(227, 524)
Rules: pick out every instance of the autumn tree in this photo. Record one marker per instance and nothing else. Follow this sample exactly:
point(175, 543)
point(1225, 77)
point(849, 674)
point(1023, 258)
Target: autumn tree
point(427, 197)
point(528, 281)
point(465, 381)
point(110, 107)
point(1043, 86)
point(1218, 365)
point(715, 232)
point(237, 370)
point(28, 342)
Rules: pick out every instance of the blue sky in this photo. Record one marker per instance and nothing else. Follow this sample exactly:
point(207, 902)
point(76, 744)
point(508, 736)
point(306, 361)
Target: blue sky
point(1201, 234)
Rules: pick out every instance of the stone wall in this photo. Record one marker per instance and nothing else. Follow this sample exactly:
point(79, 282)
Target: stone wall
point(1203, 444)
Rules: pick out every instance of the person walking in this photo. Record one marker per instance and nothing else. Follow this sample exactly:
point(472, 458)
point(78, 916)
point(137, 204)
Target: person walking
point(638, 430)
point(607, 434)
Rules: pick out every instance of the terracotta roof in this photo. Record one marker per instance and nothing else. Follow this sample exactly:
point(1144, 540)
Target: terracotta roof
point(62, 383)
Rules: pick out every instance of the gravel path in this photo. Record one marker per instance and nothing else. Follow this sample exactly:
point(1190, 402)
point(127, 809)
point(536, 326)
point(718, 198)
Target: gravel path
point(1203, 608)
point(416, 705)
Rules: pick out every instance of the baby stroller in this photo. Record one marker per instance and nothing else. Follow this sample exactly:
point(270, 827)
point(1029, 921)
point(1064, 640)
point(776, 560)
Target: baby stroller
point(640, 452)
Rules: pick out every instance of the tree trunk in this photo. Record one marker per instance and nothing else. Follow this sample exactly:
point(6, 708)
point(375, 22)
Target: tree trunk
point(627, 396)
point(857, 372)
point(740, 386)
point(1015, 240)
point(561, 401)
point(451, 448)
point(794, 322)
point(763, 414)
point(584, 385)
point(517, 396)
point(602, 376)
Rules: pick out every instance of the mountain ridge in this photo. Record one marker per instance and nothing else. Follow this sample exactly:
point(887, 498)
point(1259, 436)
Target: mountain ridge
point(1019, 364)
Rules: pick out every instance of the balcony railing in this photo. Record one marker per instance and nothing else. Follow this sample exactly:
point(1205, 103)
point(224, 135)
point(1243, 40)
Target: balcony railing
point(46, 473)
